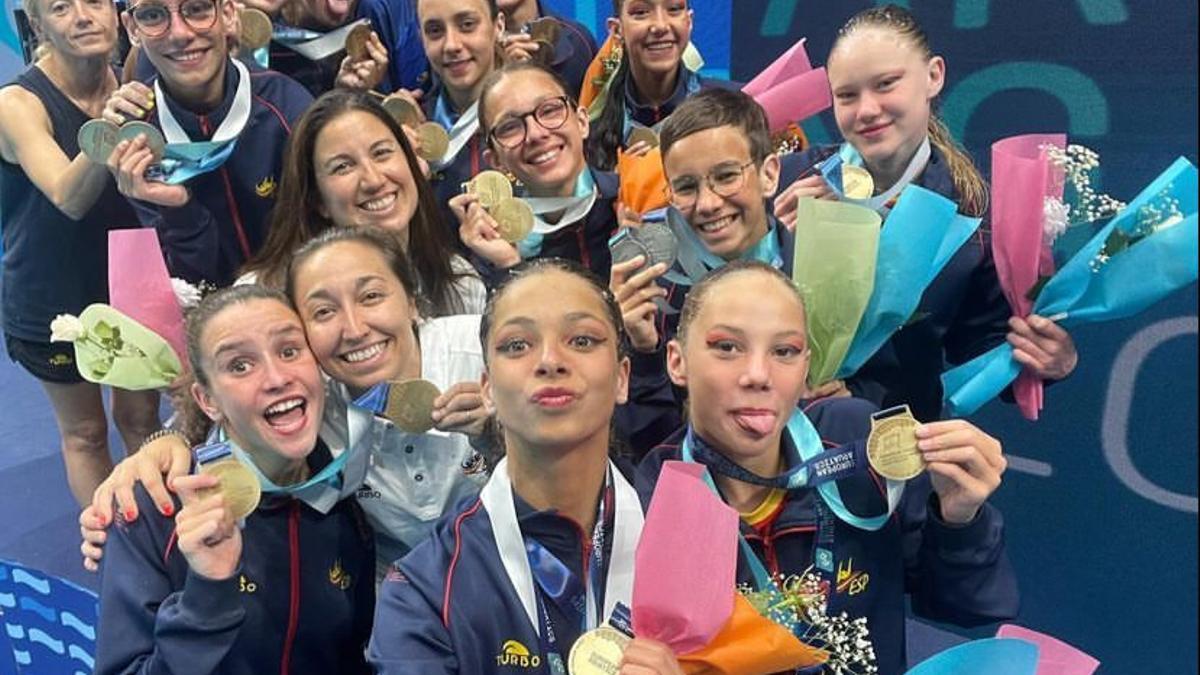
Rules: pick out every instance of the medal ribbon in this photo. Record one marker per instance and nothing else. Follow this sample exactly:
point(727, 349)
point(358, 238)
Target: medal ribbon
point(374, 399)
point(815, 462)
point(694, 260)
point(497, 498)
point(460, 131)
point(879, 203)
point(575, 208)
point(310, 44)
point(184, 159)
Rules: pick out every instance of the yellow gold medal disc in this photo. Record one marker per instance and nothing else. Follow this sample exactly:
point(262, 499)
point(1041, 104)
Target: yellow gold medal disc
point(491, 187)
point(514, 219)
point(598, 652)
point(239, 486)
point(857, 182)
point(410, 405)
point(434, 141)
point(892, 446)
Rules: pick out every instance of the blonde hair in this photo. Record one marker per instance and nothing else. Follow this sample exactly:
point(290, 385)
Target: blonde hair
point(971, 189)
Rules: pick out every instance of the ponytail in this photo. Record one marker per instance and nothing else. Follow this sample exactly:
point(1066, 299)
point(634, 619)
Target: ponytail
point(969, 186)
point(608, 131)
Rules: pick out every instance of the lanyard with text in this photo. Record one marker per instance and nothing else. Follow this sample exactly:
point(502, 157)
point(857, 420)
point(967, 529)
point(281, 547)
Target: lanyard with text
point(184, 159)
point(627, 518)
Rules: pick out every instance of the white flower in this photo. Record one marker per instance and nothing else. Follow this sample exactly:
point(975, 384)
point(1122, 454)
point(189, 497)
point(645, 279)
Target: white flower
point(66, 328)
point(186, 294)
point(1056, 217)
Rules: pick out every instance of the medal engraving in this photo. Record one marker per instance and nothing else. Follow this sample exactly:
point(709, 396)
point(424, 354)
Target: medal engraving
point(857, 182)
point(892, 446)
point(238, 486)
point(598, 652)
point(410, 405)
point(97, 138)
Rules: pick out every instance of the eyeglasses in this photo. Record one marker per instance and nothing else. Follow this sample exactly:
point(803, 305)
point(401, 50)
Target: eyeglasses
point(551, 114)
point(723, 179)
point(154, 19)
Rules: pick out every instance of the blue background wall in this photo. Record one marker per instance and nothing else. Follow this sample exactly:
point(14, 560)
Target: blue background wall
point(1101, 498)
point(1101, 504)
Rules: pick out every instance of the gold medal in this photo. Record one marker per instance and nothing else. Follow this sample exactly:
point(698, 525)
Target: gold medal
point(410, 405)
point(434, 141)
point(403, 110)
point(514, 219)
point(356, 42)
point(238, 486)
point(256, 28)
point(892, 446)
point(643, 134)
point(490, 187)
point(857, 182)
point(154, 137)
point(97, 138)
point(545, 29)
point(598, 652)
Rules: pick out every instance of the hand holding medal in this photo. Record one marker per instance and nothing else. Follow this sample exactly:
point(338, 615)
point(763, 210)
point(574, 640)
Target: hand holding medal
point(513, 217)
point(965, 466)
point(208, 535)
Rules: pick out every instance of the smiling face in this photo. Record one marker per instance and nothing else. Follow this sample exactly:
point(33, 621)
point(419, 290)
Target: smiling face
point(548, 161)
point(81, 28)
point(655, 33)
point(359, 318)
point(191, 61)
point(263, 385)
point(554, 376)
point(727, 225)
point(883, 86)
point(743, 363)
point(363, 175)
point(460, 40)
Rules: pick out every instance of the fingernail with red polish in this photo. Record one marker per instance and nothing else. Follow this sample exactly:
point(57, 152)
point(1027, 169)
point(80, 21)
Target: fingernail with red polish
point(168, 509)
point(130, 514)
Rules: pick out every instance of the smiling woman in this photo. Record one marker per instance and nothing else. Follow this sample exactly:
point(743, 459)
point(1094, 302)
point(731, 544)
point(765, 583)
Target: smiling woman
point(174, 591)
point(48, 188)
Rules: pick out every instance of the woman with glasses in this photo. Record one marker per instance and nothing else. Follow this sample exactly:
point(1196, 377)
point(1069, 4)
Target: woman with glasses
point(536, 132)
point(57, 209)
point(211, 215)
point(351, 164)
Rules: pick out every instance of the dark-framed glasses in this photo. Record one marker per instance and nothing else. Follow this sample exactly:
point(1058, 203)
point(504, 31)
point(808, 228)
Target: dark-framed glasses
point(551, 114)
point(724, 179)
point(153, 19)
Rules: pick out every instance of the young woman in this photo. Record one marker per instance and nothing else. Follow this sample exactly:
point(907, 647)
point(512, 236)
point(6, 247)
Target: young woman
point(468, 600)
point(291, 588)
point(354, 292)
point(885, 80)
point(351, 164)
point(651, 79)
point(536, 132)
point(572, 52)
point(462, 41)
point(744, 365)
point(58, 207)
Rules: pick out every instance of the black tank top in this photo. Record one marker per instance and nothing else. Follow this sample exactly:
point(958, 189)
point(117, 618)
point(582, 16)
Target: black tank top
point(52, 264)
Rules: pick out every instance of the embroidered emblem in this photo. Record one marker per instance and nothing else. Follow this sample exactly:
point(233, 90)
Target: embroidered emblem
point(245, 585)
point(516, 655)
point(338, 576)
point(266, 187)
point(850, 581)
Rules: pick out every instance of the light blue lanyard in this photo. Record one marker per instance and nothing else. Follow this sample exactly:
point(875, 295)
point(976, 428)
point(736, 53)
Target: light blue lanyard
point(184, 161)
point(531, 245)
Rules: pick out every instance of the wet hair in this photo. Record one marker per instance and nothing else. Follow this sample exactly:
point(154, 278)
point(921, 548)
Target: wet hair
point(494, 78)
point(376, 238)
point(541, 266)
point(296, 217)
point(694, 302)
point(213, 304)
point(713, 108)
point(969, 185)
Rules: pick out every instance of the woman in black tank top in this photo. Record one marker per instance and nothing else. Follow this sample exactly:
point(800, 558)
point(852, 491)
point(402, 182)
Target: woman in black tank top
point(58, 207)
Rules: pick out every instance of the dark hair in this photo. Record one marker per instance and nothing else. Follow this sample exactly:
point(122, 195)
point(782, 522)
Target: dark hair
point(493, 80)
point(377, 238)
point(714, 108)
point(971, 189)
point(296, 217)
point(492, 6)
point(213, 304)
point(537, 266)
point(694, 302)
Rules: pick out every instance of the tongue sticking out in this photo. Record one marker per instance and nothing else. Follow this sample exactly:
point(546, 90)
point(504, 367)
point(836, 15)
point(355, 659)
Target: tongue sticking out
point(759, 423)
